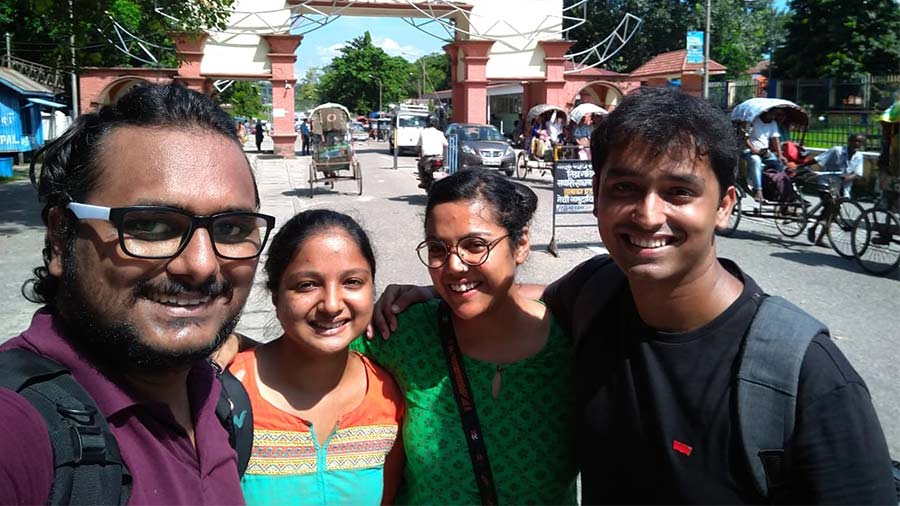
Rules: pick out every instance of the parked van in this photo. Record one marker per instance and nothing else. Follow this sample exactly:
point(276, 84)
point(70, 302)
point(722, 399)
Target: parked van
point(408, 121)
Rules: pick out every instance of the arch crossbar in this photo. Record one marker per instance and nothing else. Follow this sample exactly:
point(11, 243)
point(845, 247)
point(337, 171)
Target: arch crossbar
point(442, 19)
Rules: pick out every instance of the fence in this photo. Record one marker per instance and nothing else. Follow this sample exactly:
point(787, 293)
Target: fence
point(48, 76)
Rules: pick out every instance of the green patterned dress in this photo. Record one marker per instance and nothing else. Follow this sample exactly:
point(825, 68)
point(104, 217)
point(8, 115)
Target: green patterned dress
point(528, 429)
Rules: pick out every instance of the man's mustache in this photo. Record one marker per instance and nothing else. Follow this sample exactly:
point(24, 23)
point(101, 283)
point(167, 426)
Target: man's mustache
point(212, 289)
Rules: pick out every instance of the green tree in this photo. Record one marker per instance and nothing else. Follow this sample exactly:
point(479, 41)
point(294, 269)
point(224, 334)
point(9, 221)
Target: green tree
point(437, 71)
point(41, 29)
point(306, 93)
point(243, 98)
point(741, 30)
point(833, 38)
point(352, 78)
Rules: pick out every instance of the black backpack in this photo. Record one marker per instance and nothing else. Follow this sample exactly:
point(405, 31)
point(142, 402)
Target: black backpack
point(767, 378)
point(88, 467)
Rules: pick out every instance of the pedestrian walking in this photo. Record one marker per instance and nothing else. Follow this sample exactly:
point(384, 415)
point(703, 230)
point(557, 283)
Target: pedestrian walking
point(304, 135)
point(259, 132)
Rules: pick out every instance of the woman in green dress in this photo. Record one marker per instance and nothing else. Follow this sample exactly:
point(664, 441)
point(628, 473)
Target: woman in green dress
point(517, 361)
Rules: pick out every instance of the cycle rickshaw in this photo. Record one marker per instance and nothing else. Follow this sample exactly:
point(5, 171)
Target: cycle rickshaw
point(538, 153)
point(876, 234)
point(791, 211)
point(333, 158)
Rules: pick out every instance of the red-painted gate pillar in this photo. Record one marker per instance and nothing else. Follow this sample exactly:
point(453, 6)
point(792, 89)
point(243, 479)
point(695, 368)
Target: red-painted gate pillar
point(555, 78)
point(456, 88)
point(281, 58)
point(189, 49)
point(473, 82)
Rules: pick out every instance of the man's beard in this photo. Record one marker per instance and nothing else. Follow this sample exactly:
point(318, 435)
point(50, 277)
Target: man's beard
point(116, 346)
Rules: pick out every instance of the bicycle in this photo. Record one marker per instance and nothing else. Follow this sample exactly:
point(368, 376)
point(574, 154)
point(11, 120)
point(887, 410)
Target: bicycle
point(875, 238)
point(791, 217)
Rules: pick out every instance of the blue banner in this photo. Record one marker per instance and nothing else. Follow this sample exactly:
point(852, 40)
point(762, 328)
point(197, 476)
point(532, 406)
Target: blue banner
point(694, 47)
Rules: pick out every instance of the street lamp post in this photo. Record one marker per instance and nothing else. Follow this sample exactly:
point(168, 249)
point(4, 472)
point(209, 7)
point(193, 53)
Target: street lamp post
point(379, 91)
point(706, 41)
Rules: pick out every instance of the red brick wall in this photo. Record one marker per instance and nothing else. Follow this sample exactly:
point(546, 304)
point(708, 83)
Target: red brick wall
point(93, 82)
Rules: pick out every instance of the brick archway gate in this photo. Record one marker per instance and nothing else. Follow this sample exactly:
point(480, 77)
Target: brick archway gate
point(491, 41)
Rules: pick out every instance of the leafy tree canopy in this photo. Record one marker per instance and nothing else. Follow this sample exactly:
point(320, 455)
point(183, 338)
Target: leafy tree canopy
point(835, 38)
point(243, 97)
point(437, 71)
point(41, 28)
point(306, 93)
point(742, 30)
point(352, 79)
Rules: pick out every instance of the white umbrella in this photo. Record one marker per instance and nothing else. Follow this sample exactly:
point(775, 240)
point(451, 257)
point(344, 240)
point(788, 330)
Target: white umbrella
point(585, 108)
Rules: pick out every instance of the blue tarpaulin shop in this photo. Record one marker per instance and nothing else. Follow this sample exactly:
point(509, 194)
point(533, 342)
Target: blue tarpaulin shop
point(21, 100)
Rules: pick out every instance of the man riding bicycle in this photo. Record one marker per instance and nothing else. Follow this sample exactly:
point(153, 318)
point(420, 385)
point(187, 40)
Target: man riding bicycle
point(840, 166)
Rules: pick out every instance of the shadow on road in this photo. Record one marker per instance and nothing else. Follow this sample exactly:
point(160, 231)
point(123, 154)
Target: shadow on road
point(413, 200)
point(19, 207)
point(780, 240)
point(817, 259)
point(321, 190)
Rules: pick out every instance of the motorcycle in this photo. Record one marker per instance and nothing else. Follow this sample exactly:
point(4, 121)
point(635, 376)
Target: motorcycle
point(431, 169)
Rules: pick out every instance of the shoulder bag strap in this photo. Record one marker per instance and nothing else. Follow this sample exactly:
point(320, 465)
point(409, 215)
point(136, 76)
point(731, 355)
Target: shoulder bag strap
point(236, 415)
point(767, 382)
point(465, 401)
point(88, 468)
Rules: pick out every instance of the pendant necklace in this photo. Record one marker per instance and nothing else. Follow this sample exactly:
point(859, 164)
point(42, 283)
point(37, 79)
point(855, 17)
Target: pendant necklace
point(497, 382)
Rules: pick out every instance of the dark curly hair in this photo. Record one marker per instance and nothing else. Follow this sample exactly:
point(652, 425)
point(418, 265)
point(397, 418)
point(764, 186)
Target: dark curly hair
point(668, 122)
point(69, 169)
point(301, 227)
point(513, 204)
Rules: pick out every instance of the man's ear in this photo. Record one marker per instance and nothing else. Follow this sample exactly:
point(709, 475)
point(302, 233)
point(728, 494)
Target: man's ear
point(723, 213)
point(523, 247)
point(56, 230)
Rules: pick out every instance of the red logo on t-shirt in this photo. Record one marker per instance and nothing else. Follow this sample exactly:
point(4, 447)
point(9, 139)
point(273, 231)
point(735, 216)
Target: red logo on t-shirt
point(680, 447)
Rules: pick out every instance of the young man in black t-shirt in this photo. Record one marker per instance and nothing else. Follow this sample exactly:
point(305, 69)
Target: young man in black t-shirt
point(657, 360)
point(656, 365)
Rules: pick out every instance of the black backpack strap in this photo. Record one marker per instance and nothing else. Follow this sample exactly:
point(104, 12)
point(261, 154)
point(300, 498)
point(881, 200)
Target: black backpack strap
point(236, 415)
point(88, 468)
point(767, 382)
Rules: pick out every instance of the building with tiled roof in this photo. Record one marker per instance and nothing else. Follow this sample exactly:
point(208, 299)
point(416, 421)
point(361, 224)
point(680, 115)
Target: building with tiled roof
point(666, 67)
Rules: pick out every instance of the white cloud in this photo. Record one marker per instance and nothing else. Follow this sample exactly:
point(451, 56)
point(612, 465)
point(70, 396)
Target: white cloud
point(328, 53)
point(393, 48)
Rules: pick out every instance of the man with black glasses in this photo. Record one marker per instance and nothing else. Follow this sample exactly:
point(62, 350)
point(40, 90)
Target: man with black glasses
point(152, 242)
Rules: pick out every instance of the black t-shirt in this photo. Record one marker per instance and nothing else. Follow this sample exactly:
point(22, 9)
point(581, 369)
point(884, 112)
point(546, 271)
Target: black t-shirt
point(659, 422)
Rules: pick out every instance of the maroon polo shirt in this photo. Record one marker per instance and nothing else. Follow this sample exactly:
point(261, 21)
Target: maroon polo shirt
point(165, 465)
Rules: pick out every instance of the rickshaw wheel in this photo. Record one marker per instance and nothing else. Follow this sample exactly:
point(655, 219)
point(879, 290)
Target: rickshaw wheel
point(735, 217)
point(840, 227)
point(790, 217)
point(357, 172)
point(876, 241)
point(521, 166)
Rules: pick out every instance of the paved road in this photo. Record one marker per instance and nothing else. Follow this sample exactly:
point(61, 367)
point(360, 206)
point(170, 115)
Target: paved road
point(863, 311)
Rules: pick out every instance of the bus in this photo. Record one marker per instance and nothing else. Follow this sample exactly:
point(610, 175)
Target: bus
point(408, 121)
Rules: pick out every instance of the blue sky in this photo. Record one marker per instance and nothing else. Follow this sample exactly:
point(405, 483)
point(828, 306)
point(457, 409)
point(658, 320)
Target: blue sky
point(394, 35)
